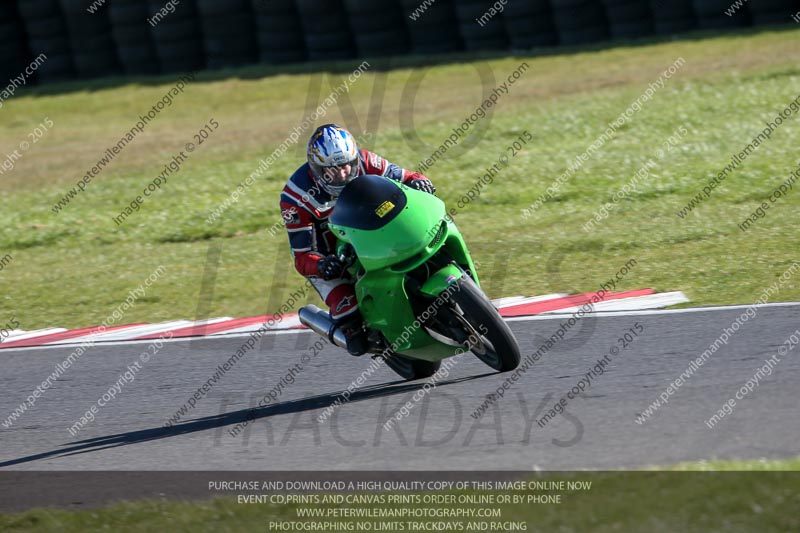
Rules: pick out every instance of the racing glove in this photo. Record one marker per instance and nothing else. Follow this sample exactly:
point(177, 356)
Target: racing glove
point(422, 185)
point(330, 267)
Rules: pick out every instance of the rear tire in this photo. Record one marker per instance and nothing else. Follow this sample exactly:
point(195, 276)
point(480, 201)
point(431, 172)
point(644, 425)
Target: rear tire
point(497, 347)
point(411, 369)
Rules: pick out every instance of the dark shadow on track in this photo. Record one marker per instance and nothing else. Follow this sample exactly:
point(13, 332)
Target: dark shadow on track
point(244, 415)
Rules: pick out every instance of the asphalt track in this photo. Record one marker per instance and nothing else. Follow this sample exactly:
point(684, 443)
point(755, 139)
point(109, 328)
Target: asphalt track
point(598, 431)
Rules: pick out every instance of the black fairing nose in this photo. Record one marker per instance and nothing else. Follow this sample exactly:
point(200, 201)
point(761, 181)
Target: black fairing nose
point(368, 202)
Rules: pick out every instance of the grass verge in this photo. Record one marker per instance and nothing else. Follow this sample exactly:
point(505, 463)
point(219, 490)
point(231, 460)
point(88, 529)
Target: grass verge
point(73, 268)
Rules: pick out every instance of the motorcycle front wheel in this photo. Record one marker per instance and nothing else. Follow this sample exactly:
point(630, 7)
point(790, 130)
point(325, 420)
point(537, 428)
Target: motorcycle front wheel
point(491, 340)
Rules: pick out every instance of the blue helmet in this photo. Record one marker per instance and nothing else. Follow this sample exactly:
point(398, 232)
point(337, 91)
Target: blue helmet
point(332, 146)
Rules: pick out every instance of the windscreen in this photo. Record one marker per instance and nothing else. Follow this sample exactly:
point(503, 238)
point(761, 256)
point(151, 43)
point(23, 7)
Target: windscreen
point(368, 203)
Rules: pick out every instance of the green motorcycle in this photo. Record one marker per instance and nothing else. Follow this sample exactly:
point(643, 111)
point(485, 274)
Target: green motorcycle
point(415, 281)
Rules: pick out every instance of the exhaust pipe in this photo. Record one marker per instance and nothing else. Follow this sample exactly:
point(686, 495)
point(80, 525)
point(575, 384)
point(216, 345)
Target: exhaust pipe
point(320, 322)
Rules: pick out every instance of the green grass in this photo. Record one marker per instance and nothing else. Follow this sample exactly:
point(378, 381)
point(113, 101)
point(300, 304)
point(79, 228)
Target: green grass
point(684, 498)
point(73, 269)
point(750, 465)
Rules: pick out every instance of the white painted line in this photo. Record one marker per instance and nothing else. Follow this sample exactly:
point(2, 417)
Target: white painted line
point(520, 300)
point(24, 335)
point(283, 324)
point(135, 331)
point(165, 341)
point(507, 300)
point(213, 320)
point(289, 321)
point(207, 322)
point(649, 312)
point(129, 333)
point(635, 303)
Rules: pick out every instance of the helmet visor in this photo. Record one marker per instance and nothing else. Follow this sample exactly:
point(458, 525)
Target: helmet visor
point(334, 178)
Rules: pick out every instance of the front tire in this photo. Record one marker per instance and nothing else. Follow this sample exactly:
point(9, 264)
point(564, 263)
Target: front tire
point(497, 346)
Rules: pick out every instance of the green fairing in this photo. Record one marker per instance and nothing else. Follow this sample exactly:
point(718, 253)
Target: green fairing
point(402, 237)
point(441, 280)
point(410, 236)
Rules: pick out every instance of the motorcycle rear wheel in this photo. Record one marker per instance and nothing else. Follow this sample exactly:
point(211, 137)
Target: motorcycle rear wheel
point(411, 369)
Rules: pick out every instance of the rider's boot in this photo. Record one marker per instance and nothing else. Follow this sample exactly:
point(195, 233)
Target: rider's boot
point(357, 343)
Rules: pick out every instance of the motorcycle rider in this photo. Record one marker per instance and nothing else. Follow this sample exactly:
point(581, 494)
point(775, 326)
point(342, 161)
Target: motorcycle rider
point(308, 200)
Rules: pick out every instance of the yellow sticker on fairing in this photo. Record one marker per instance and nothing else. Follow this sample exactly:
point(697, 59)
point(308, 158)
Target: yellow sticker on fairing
point(384, 208)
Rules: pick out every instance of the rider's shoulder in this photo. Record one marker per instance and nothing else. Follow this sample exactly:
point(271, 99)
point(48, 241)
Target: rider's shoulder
point(301, 177)
point(373, 161)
